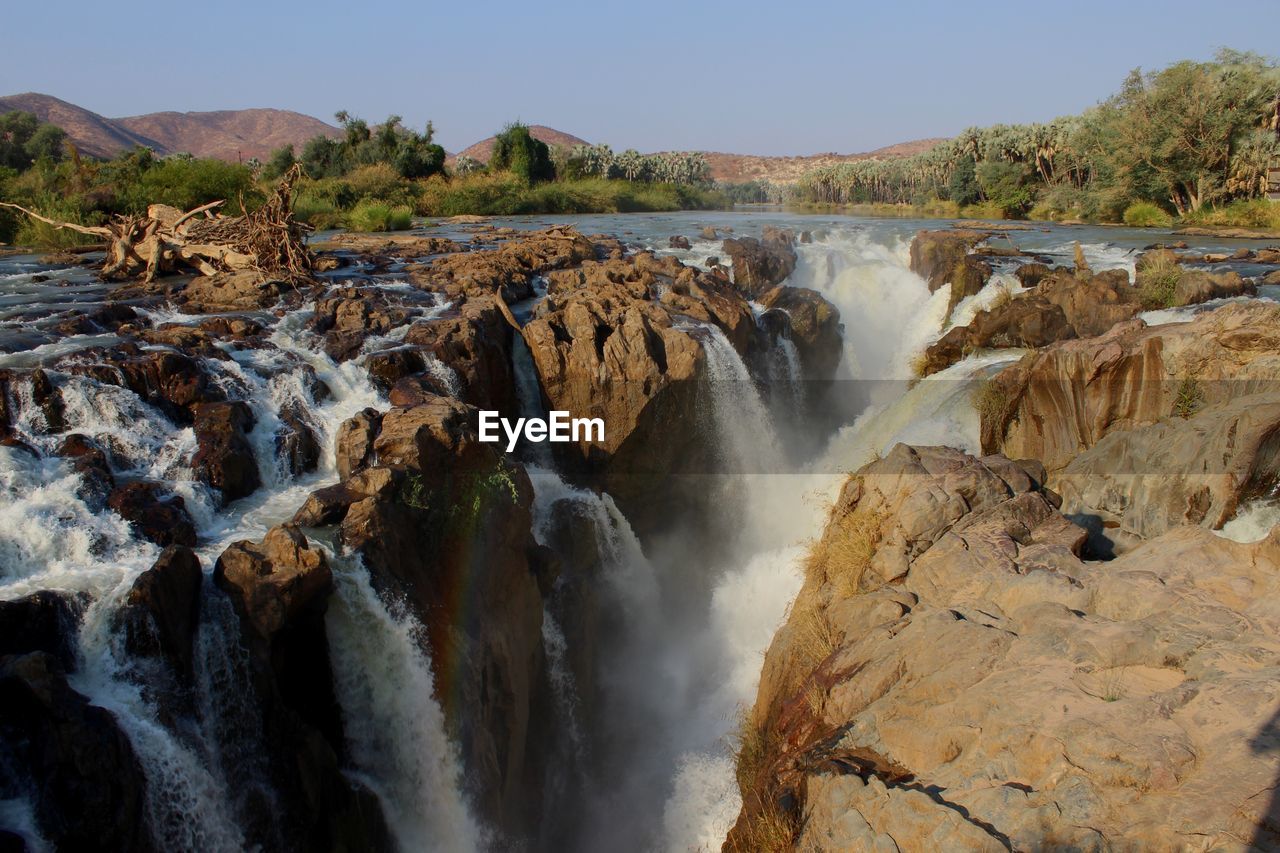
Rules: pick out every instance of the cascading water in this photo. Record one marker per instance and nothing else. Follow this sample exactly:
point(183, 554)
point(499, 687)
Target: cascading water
point(394, 727)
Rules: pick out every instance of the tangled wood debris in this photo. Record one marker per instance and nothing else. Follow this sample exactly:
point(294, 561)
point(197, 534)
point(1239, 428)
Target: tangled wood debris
point(267, 240)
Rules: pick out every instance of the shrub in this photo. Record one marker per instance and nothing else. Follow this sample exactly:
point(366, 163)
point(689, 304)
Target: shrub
point(1144, 214)
point(515, 150)
point(1158, 274)
point(39, 235)
point(188, 183)
point(377, 216)
point(990, 399)
point(1188, 399)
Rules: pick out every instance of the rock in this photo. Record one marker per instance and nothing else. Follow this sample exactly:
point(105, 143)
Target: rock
point(350, 315)
point(90, 462)
point(451, 539)
point(1061, 307)
point(273, 583)
point(473, 343)
point(230, 291)
point(296, 441)
point(761, 264)
point(1196, 286)
point(329, 505)
point(815, 328)
point(161, 612)
point(44, 621)
point(224, 457)
point(1029, 275)
point(85, 783)
point(506, 270)
point(936, 254)
point(708, 233)
point(1066, 686)
point(354, 443)
point(678, 242)
point(1063, 399)
point(1272, 278)
point(153, 512)
point(171, 381)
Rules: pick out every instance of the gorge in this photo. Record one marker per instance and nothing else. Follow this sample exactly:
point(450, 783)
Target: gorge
point(897, 536)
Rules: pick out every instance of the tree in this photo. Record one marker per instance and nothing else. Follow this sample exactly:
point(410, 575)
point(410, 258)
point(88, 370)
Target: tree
point(963, 188)
point(1004, 185)
point(280, 161)
point(516, 150)
point(24, 139)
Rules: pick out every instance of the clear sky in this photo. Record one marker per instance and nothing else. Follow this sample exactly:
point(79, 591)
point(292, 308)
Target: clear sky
point(778, 77)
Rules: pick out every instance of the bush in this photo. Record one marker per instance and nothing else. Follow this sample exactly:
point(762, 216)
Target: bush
point(1158, 274)
point(378, 216)
point(1254, 213)
point(515, 150)
point(1144, 214)
point(1004, 185)
point(381, 182)
point(38, 235)
point(185, 184)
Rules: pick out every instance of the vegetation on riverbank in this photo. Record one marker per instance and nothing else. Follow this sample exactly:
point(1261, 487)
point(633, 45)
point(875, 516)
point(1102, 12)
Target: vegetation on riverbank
point(1192, 141)
point(372, 179)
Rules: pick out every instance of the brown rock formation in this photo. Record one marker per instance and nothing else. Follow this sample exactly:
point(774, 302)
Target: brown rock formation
point(952, 675)
point(761, 264)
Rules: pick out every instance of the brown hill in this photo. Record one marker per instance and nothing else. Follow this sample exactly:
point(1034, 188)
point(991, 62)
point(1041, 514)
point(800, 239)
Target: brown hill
point(228, 134)
point(483, 149)
point(739, 168)
point(93, 135)
point(225, 134)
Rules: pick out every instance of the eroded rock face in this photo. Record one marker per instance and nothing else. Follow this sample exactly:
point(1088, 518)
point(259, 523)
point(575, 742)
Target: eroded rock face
point(442, 523)
point(154, 513)
point(935, 255)
point(1063, 399)
point(952, 672)
point(161, 612)
point(1062, 306)
point(231, 291)
point(761, 264)
point(274, 582)
point(171, 381)
point(473, 342)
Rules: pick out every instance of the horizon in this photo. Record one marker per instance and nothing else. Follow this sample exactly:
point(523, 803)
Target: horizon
point(966, 83)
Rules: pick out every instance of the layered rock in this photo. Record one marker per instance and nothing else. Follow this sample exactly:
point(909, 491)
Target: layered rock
point(814, 327)
point(1063, 399)
point(952, 674)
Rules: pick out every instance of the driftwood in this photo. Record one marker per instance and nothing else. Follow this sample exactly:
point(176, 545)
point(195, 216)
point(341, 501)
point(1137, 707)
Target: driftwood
point(267, 240)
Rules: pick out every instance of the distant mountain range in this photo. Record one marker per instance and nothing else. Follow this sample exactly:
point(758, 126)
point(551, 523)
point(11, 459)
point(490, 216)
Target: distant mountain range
point(242, 134)
point(224, 134)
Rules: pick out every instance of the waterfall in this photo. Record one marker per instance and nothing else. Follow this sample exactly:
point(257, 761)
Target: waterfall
point(394, 726)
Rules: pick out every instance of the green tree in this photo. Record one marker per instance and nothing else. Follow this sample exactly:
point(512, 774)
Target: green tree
point(1004, 185)
point(516, 150)
point(963, 188)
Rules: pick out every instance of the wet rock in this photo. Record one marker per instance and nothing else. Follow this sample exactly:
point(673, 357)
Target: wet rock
point(153, 512)
point(329, 505)
point(274, 582)
point(296, 441)
point(350, 315)
point(44, 621)
point(45, 395)
point(70, 757)
point(354, 442)
point(90, 462)
point(1029, 275)
point(1196, 286)
point(172, 381)
point(161, 612)
point(678, 242)
point(936, 254)
point(224, 457)
point(708, 233)
point(761, 264)
point(815, 328)
point(456, 524)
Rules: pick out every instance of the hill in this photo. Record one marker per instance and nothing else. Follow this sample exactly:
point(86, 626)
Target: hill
point(483, 149)
point(739, 168)
point(224, 134)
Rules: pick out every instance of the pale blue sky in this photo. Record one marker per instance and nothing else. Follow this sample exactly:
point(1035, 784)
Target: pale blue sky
point(773, 77)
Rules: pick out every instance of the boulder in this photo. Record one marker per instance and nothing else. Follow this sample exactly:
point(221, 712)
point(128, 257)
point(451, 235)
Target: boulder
point(678, 242)
point(86, 787)
point(224, 457)
point(443, 525)
point(353, 446)
point(815, 328)
point(275, 582)
point(44, 621)
point(473, 343)
point(936, 254)
point(506, 270)
point(153, 512)
point(230, 291)
point(172, 381)
point(761, 264)
point(161, 612)
point(90, 462)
